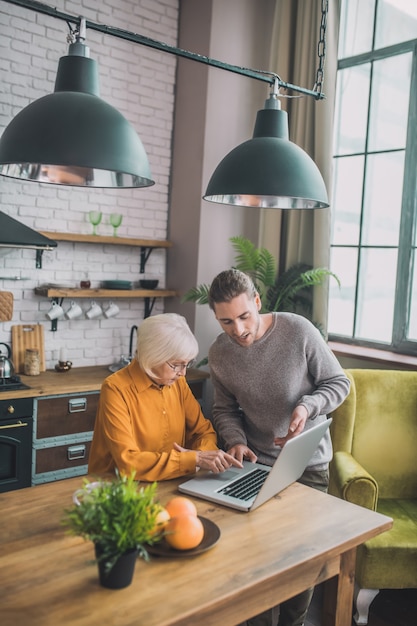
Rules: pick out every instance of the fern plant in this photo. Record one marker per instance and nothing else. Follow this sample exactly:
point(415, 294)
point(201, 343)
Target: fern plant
point(290, 291)
point(257, 262)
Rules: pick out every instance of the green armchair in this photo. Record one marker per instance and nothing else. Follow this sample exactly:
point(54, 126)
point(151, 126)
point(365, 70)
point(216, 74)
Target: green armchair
point(374, 434)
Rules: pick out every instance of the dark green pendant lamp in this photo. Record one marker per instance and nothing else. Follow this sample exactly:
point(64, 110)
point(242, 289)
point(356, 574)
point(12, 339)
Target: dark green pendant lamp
point(72, 137)
point(268, 171)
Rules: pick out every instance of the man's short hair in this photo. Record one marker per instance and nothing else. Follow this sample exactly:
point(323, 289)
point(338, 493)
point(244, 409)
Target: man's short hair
point(228, 285)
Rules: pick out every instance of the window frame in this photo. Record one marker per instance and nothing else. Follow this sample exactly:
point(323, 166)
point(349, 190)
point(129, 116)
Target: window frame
point(407, 235)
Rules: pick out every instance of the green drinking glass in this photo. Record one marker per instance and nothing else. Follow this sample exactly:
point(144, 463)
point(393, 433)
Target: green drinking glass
point(115, 221)
point(95, 219)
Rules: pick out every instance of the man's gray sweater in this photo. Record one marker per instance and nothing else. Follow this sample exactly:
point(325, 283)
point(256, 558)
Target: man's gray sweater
point(257, 387)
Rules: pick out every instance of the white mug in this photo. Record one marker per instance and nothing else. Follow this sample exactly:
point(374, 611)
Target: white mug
point(74, 311)
point(112, 310)
point(79, 493)
point(55, 311)
point(94, 311)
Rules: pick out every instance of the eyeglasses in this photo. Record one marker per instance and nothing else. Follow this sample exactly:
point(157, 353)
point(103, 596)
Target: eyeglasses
point(178, 367)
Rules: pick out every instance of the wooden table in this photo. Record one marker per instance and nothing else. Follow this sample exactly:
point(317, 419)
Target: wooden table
point(296, 540)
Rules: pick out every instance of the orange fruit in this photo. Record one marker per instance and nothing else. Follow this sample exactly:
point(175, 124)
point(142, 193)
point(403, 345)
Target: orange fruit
point(179, 505)
point(184, 532)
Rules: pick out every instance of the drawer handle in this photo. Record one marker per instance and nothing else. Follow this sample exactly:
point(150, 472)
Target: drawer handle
point(18, 425)
point(77, 405)
point(76, 452)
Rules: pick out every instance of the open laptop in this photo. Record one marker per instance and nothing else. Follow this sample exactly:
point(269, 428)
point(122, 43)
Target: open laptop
point(263, 482)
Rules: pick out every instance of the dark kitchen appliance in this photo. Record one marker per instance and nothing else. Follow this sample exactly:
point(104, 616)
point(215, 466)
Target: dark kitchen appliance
point(6, 365)
point(16, 434)
point(14, 234)
point(14, 382)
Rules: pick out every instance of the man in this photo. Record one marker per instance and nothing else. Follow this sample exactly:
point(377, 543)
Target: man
point(273, 376)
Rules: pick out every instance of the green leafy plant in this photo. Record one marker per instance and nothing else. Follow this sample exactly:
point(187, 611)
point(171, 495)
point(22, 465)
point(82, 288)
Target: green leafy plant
point(257, 262)
point(118, 515)
point(292, 289)
point(289, 291)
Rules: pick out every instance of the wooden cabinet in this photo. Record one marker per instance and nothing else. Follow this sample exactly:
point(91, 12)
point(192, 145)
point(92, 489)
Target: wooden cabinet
point(52, 463)
point(63, 432)
point(66, 415)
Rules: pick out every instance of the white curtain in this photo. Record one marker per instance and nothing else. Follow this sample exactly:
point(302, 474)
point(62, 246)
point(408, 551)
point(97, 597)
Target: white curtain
point(304, 236)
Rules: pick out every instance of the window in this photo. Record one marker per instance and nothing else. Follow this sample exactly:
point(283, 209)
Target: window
point(374, 196)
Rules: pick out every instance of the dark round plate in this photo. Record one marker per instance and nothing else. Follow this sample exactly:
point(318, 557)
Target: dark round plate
point(211, 537)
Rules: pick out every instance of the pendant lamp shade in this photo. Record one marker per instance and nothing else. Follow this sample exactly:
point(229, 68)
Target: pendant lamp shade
point(269, 170)
point(72, 137)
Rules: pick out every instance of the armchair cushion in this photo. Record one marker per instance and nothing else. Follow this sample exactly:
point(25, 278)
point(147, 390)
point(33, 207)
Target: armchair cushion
point(390, 559)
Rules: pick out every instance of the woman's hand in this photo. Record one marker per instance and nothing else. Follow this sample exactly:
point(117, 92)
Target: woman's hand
point(214, 460)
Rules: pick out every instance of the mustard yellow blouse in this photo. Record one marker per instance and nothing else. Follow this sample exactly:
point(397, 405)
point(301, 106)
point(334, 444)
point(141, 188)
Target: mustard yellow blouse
point(137, 424)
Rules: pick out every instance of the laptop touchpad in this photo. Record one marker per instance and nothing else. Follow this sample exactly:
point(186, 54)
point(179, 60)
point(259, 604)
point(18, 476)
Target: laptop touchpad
point(227, 475)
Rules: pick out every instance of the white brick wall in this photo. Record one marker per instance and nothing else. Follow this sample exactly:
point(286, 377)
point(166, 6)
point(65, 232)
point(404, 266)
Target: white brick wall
point(139, 82)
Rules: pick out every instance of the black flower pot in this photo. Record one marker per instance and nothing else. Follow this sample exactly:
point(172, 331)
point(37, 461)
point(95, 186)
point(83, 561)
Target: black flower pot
point(121, 574)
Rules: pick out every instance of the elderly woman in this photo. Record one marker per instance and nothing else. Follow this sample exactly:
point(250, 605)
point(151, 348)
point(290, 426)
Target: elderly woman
point(148, 420)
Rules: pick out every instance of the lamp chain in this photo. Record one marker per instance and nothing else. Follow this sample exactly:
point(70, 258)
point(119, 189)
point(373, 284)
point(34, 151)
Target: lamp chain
point(321, 48)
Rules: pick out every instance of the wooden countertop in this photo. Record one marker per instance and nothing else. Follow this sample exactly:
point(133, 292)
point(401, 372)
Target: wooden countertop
point(78, 379)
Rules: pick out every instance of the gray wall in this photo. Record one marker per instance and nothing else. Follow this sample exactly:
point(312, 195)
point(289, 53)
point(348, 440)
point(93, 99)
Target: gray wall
point(215, 111)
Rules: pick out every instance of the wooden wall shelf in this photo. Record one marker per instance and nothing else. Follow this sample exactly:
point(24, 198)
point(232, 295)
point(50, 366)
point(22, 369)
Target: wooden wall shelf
point(146, 245)
point(112, 294)
point(115, 241)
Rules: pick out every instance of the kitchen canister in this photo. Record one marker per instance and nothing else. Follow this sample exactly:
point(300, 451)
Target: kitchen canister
point(32, 366)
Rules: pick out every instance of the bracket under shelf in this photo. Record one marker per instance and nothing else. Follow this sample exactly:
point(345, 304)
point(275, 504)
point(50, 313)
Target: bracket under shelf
point(144, 256)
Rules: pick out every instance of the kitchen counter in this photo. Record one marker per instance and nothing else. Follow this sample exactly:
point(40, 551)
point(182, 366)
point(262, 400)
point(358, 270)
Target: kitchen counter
point(76, 380)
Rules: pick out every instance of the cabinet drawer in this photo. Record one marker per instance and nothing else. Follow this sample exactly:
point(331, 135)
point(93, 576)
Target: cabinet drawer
point(66, 415)
point(62, 457)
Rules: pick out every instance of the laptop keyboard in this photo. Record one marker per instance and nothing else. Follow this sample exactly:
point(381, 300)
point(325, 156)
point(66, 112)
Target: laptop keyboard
point(247, 486)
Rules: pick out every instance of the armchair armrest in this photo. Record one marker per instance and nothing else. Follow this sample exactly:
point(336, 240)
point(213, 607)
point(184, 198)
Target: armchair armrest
point(350, 481)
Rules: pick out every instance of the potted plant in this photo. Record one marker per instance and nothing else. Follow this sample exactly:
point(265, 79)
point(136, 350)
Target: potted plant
point(290, 291)
point(120, 518)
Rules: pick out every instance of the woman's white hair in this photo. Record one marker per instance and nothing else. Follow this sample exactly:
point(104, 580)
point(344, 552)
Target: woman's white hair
point(162, 338)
